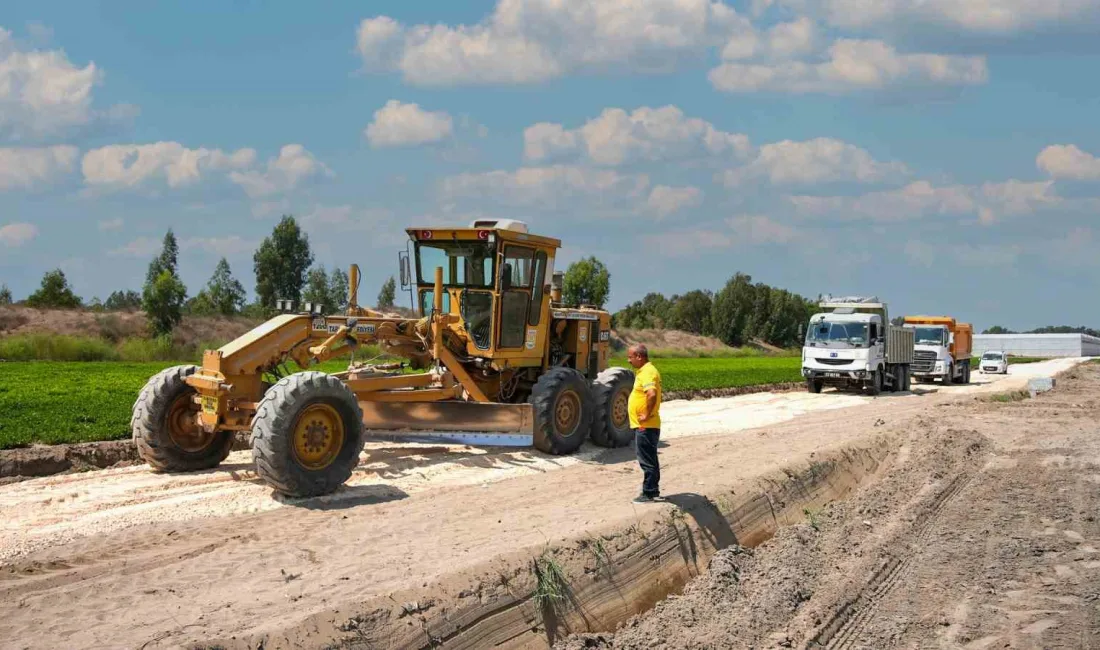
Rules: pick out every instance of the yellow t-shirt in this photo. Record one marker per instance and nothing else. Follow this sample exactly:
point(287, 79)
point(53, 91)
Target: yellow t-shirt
point(645, 378)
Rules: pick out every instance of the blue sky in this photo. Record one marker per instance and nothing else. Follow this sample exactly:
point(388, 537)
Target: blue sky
point(943, 155)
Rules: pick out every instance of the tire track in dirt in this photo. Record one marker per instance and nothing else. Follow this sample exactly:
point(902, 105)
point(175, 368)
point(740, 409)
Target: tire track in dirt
point(842, 631)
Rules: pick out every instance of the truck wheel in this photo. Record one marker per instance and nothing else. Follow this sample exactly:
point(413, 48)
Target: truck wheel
point(966, 372)
point(907, 383)
point(307, 434)
point(874, 386)
point(814, 385)
point(165, 431)
point(611, 393)
point(947, 375)
point(563, 410)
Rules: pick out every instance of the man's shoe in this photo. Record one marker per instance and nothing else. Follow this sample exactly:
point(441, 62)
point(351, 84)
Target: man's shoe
point(644, 498)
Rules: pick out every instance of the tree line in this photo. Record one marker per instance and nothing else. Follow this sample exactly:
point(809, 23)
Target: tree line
point(741, 311)
point(284, 269)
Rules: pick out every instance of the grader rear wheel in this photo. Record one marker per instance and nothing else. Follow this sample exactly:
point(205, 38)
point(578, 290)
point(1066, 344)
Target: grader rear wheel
point(563, 411)
point(307, 435)
point(611, 425)
point(165, 429)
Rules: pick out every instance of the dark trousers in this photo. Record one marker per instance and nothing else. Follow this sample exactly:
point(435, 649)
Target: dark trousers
point(645, 443)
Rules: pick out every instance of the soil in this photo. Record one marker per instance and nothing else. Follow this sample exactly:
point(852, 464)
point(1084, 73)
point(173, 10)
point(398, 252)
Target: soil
point(689, 343)
point(425, 532)
point(984, 534)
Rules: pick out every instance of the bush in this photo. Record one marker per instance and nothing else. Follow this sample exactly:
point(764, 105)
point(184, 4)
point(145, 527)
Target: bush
point(52, 347)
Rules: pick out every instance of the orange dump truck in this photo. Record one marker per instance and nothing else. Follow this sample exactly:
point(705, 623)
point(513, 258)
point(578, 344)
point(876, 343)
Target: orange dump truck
point(941, 348)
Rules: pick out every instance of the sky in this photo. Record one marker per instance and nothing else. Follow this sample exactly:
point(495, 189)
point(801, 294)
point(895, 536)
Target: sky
point(943, 155)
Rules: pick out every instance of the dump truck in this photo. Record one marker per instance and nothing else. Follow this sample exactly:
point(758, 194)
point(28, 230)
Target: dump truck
point(851, 344)
point(942, 348)
point(501, 360)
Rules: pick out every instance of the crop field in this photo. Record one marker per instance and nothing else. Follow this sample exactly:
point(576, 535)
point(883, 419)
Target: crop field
point(700, 374)
point(60, 402)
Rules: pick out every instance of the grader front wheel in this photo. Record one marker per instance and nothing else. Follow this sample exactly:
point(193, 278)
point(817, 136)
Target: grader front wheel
point(611, 426)
point(307, 435)
point(165, 426)
point(563, 411)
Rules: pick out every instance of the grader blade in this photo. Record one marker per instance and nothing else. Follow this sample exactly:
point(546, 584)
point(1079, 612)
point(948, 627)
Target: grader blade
point(472, 423)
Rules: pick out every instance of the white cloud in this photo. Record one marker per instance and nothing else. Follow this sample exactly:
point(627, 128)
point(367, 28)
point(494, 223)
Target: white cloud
point(646, 134)
point(26, 168)
point(548, 187)
point(760, 229)
point(1068, 162)
point(996, 17)
point(14, 235)
point(820, 160)
point(530, 41)
point(121, 166)
point(293, 165)
point(981, 255)
point(140, 247)
point(223, 246)
point(989, 201)
point(851, 65)
point(665, 200)
point(345, 218)
point(42, 92)
point(111, 224)
point(734, 232)
point(397, 124)
point(783, 41)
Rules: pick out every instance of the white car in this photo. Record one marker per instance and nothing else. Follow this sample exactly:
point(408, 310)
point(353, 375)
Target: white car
point(993, 361)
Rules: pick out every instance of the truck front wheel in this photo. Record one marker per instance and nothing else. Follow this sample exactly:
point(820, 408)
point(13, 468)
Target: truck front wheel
point(814, 385)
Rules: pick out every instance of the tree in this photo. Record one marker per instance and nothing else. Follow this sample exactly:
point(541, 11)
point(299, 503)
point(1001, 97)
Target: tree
point(5, 295)
point(281, 263)
point(586, 282)
point(54, 292)
point(998, 329)
point(691, 312)
point(163, 300)
point(223, 294)
point(317, 288)
point(338, 290)
point(164, 293)
point(125, 300)
point(388, 294)
point(732, 309)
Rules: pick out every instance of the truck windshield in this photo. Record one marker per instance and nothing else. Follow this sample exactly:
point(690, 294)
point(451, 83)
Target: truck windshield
point(465, 264)
point(826, 332)
point(929, 335)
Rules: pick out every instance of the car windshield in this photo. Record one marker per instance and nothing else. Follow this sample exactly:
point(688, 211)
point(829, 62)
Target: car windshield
point(928, 335)
point(842, 334)
point(464, 263)
point(991, 356)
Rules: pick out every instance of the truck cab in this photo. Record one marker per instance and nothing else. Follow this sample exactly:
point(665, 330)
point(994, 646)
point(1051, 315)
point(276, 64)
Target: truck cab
point(851, 344)
point(941, 348)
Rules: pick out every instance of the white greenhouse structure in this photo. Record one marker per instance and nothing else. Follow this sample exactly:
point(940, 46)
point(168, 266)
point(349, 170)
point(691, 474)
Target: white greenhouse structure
point(1038, 345)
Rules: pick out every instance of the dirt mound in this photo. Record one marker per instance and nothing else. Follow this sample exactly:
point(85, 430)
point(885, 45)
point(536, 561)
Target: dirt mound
point(674, 340)
point(117, 326)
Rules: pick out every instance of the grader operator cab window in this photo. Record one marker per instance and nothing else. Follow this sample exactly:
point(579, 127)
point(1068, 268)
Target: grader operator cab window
point(465, 264)
point(522, 281)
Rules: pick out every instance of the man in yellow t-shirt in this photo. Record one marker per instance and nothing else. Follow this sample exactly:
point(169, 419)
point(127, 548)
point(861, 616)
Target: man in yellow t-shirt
point(645, 418)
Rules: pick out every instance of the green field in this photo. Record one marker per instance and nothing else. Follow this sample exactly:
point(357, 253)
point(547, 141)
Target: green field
point(54, 402)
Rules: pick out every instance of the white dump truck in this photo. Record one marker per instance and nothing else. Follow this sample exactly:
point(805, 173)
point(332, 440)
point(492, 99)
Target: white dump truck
point(850, 343)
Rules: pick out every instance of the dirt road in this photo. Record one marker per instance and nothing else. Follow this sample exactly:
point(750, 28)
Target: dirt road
point(984, 534)
point(126, 558)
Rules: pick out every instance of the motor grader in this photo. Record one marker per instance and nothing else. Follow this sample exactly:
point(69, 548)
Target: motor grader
point(501, 361)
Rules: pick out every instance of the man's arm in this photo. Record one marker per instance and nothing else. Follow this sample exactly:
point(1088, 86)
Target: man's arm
point(650, 402)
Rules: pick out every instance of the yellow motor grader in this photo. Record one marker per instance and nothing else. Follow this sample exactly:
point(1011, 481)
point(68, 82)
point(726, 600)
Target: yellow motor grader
point(502, 361)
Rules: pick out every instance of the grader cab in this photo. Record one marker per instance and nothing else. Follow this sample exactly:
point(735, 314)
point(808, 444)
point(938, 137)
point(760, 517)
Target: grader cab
point(501, 361)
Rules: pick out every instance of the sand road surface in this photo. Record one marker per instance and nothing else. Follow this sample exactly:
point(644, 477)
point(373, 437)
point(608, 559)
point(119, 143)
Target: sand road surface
point(127, 558)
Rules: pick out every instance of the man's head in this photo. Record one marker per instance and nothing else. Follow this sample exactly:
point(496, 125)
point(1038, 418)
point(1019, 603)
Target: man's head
point(637, 355)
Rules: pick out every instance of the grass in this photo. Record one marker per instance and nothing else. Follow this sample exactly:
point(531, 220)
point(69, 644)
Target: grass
point(551, 585)
point(1013, 396)
point(63, 347)
point(1011, 360)
point(701, 374)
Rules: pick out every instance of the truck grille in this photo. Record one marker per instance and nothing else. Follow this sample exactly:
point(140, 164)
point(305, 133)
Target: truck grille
point(923, 361)
point(835, 362)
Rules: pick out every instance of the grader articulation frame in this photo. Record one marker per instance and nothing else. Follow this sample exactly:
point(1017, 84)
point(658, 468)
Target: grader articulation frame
point(502, 359)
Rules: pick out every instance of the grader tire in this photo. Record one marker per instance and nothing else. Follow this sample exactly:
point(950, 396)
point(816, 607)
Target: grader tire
point(164, 429)
point(563, 409)
point(307, 435)
point(611, 423)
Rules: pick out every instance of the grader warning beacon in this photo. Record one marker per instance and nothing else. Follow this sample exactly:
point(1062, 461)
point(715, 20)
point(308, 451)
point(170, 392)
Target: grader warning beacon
point(503, 361)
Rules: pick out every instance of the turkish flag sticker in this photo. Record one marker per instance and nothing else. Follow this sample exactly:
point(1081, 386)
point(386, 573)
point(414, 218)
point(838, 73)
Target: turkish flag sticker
point(483, 234)
point(425, 234)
